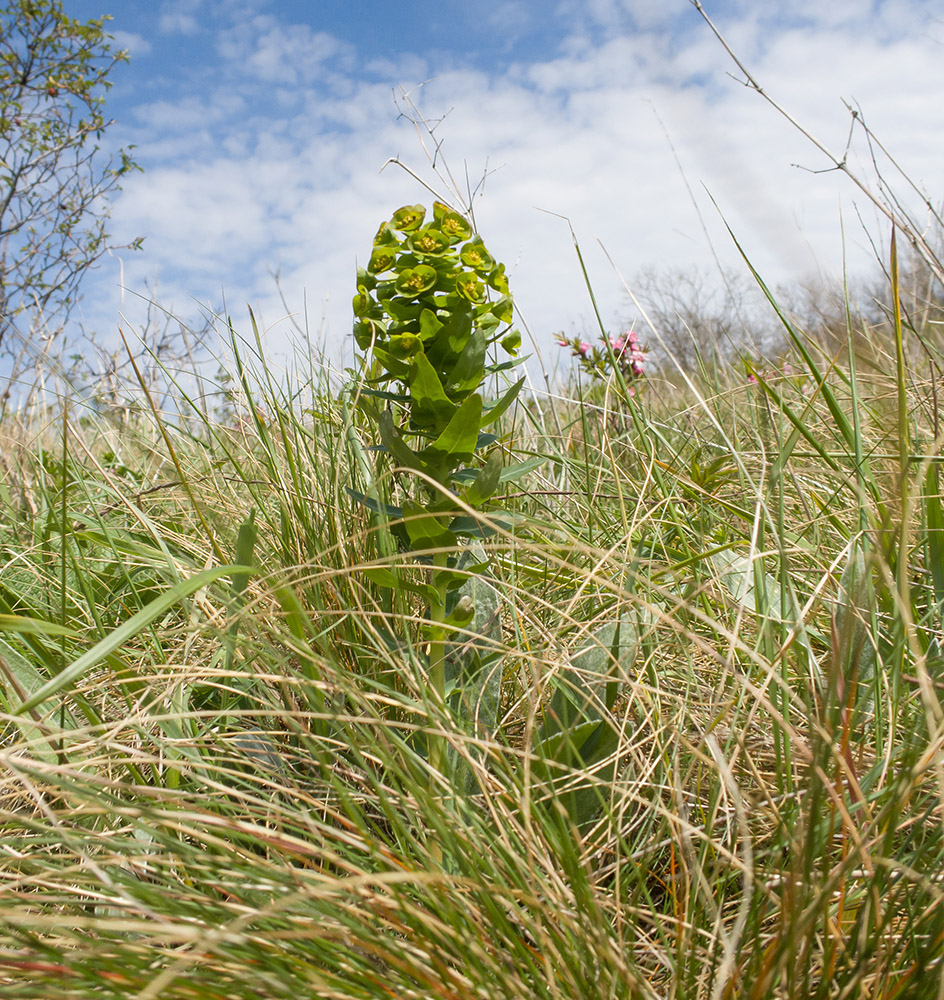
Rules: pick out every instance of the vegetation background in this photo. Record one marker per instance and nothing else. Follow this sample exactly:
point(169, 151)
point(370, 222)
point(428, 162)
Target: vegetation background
point(699, 754)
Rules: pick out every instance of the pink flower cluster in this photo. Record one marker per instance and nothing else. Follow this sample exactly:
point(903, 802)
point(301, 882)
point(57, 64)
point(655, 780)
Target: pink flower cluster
point(597, 361)
point(628, 346)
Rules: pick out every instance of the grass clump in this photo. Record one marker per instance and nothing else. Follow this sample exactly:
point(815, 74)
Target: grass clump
point(684, 735)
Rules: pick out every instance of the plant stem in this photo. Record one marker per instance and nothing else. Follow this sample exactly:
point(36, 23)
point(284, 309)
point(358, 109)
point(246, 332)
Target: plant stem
point(437, 657)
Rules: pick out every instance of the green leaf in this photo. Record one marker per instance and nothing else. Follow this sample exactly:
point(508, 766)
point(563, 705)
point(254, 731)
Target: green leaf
point(740, 576)
point(449, 579)
point(855, 607)
point(565, 747)
point(504, 310)
point(362, 303)
point(371, 504)
point(504, 366)
point(402, 310)
point(18, 677)
point(462, 614)
point(590, 682)
point(33, 626)
point(512, 342)
point(469, 370)
point(562, 764)
point(397, 367)
point(127, 630)
point(474, 662)
point(431, 408)
point(496, 409)
point(511, 473)
point(245, 548)
point(424, 529)
point(934, 518)
point(486, 482)
point(394, 397)
point(402, 453)
point(449, 341)
point(483, 526)
point(498, 280)
point(458, 440)
point(383, 576)
point(430, 325)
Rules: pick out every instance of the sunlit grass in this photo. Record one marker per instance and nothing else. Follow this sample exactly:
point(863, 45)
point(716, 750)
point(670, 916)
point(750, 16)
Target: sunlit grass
point(231, 797)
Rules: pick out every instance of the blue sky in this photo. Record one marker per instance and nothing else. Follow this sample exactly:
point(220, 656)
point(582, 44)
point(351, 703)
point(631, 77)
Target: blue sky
point(263, 126)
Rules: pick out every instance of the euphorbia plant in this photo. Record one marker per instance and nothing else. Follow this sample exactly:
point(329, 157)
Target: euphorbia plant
point(430, 305)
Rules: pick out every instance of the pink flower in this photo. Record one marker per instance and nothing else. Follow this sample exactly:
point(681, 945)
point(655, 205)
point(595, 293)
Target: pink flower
point(632, 337)
point(563, 343)
point(617, 343)
point(751, 378)
point(584, 348)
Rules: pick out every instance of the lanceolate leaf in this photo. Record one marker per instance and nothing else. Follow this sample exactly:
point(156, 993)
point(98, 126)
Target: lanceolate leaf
point(591, 682)
point(389, 510)
point(245, 548)
point(457, 329)
point(499, 407)
point(460, 436)
point(128, 630)
point(425, 530)
point(470, 368)
point(431, 408)
point(35, 626)
point(402, 453)
point(512, 472)
point(486, 482)
point(934, 518)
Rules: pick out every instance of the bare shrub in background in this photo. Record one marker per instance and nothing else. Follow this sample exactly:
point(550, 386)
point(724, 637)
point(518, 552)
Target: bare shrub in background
point(698, 320)
point(54, 177)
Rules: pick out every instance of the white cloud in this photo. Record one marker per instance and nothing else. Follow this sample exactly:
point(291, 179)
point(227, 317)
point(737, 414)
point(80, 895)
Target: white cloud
point(278, 53)
point(178, 23)
point(136, 45)
point(300, 188)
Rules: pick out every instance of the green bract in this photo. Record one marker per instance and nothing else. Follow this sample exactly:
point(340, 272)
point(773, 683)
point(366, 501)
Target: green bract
point(469, 287)
point(428, 242)
point(413, 281)
point(382, 259)
point(451, 224)
point(430, 322)
point(476, 256)
point(406, 219)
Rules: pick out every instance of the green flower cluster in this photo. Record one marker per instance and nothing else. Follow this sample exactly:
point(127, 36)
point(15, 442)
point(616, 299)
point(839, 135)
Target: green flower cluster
point(429, 304)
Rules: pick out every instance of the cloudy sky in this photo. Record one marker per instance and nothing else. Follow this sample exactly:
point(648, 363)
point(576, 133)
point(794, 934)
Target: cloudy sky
point(263, 127)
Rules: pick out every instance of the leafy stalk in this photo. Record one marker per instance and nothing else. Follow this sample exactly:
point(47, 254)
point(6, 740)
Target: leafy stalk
point(430, 305)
